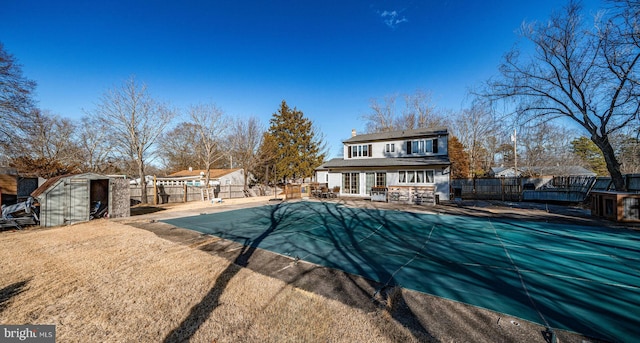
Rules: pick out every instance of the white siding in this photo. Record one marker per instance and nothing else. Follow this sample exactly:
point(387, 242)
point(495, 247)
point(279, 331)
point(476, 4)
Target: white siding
point(441, 181)
point(322, 176)
point(234, 178)
point(378, 150)
point(400, 148)
point(442, 185)
point(335, 179)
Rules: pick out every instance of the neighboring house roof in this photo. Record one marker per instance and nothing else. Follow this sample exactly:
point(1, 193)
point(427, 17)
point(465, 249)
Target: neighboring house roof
point(553, 170)
point(562, 170)
point(8, 184)
point(9, 171)
point(394, 135)
point(386, 162)
point(213, 173)
point(500, 170)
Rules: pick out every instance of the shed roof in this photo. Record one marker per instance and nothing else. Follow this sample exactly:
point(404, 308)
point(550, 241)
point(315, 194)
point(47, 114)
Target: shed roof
point(52, 181)
point(43, 187)
point(401, 134)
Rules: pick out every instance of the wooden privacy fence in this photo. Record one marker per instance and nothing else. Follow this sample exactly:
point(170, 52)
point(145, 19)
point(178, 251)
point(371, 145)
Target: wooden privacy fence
point(556, 188)
point(293, 191)
point(633, 182)
point(504, 188)
point(183, 193)
point(562, 189)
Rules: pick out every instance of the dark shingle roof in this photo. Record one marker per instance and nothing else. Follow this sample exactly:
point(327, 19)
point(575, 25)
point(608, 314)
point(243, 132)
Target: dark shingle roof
point(403, 134)
point(385, 162)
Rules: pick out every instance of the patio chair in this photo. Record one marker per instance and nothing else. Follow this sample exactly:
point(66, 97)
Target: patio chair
point(324, 192)
point(333, 193)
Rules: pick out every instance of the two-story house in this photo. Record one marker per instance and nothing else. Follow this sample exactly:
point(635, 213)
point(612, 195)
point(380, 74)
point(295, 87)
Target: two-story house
point(399, 158)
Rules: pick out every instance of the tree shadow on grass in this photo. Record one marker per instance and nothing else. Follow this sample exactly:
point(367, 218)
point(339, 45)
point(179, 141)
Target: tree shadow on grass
point(355, 289)
point(7, 293)
point(342, 224)
point(355, 285)
point(201, 311)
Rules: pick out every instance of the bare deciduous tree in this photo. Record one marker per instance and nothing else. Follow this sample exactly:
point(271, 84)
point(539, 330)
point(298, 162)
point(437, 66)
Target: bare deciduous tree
point(210, 128)
point(546, 144)
point(15, 95)
point(589, 74)
point(246, 138)
point(418, 113)
point(95, 144)
point(628, 151)
point(473, 126)
point(135, 122)
point(267, 155)
point(382, 116)
point(179, 148)
point(45, 145)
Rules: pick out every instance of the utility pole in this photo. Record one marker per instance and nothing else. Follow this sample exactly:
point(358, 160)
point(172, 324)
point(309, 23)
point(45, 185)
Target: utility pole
point(514, 139)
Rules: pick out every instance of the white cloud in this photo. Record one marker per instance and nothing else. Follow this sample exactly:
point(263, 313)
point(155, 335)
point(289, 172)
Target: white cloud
point(392, 18)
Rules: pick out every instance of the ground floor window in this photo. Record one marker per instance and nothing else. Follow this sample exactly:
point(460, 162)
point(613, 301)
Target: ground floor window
point(350, 183)
point(375, 180)
point(415, 176)
point(381, 179)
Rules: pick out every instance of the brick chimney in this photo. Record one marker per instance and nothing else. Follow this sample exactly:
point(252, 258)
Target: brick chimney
point(353, 132)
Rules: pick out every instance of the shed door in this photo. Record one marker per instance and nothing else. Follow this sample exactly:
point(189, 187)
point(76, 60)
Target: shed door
point(78, 203)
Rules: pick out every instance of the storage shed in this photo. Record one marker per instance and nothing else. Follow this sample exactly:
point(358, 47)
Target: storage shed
point(618, 206)
point(71, 199)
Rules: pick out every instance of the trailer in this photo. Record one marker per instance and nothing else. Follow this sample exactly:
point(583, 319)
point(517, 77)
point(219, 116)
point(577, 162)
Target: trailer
point(19, 215)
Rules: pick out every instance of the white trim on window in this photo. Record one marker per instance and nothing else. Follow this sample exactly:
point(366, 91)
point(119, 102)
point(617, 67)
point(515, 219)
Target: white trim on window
point(360, 150)
point(423, 146)
point(415, 177)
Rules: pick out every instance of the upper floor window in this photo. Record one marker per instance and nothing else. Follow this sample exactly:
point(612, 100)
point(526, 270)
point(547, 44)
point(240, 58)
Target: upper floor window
point(422, 146)
point(390, 147)
point(359, 150)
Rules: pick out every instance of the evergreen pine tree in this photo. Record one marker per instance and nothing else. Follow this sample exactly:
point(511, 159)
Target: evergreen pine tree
point(297, 149)
point(590, 154)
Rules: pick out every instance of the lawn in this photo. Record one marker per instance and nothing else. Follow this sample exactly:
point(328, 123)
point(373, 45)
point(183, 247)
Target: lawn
point(106, 282)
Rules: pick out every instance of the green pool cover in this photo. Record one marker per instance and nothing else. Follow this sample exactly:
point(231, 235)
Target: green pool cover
point(578, 278)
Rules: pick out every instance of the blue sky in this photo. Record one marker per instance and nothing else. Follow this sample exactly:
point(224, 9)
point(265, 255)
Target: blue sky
point(327, 58)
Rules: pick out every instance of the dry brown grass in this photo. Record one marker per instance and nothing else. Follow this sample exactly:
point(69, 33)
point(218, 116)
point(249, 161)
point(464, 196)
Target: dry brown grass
point(106, 282)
